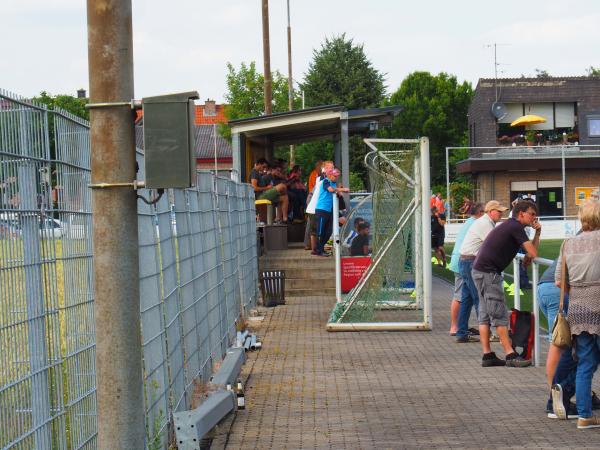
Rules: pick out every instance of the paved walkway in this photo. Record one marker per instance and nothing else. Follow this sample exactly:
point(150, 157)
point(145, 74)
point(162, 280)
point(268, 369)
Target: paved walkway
point(307, 388)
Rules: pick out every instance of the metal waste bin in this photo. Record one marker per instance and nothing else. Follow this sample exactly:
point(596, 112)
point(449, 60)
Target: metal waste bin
point(272, 287)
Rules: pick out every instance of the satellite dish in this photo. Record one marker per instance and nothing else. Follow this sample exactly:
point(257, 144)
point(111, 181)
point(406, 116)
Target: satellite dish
point(499, 110)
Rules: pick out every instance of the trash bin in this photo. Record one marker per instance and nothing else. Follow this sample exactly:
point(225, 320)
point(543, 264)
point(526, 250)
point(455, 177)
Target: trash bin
point(275, 237)
point(272, 287)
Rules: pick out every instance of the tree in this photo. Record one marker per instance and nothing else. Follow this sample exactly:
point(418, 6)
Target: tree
point(541, 73)
point(69, 103)
point(593, 72)
point(245, 94)
point(434, 106)
point(340, 73)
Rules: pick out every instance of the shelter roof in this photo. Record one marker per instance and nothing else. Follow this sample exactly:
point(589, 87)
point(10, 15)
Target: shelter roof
point(320, 122)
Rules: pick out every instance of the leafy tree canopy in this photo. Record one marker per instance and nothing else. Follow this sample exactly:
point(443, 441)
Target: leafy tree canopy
point(542, 73)
point(434, 106)
point(593, 72)
point(69, 103)
point(341, 73)
point(245, 93)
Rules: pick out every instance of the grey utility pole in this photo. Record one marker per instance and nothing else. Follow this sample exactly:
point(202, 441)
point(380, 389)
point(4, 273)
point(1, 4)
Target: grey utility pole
point(116, 272)
point(290, 79)
point(267, 57)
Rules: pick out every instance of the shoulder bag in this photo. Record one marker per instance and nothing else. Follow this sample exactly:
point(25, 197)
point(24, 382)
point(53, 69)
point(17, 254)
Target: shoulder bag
point(561, 331)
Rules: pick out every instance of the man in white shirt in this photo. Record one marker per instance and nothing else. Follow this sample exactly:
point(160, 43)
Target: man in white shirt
point(468, 251)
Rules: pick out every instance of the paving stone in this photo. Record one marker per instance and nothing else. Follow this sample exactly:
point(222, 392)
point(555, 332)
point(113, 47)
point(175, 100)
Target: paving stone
point(307, 388)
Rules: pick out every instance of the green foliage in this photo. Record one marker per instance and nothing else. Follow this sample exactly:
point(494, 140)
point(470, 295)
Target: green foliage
point(154, 436)
point(356, 182)
point(593, 72)
point(69, 103)
point(458, 190)
point(245, 94)
point(307, 155)
point(340, 73)
point(541, 73)
point(434, 106)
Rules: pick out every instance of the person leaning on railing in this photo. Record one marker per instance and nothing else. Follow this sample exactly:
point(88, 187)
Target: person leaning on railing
point(582, 254)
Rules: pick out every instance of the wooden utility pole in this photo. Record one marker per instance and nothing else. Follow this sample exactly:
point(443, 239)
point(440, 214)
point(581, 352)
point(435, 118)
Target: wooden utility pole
point(290, 79)
point(267, 57)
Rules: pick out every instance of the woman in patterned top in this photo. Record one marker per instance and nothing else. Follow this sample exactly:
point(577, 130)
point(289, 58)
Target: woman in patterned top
point(582, 254)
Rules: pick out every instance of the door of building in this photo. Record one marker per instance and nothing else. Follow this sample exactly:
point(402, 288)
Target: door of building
point(548, 200)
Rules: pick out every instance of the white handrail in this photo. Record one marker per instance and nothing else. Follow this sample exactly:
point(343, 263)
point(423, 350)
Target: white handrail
point(535, 267)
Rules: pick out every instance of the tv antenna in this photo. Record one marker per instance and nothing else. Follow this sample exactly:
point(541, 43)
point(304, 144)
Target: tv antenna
point(496, 65)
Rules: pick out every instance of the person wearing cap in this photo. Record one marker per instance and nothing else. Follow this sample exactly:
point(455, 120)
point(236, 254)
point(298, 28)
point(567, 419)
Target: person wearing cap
point(324, 209)
point(476, 211)
point(473, 241)
point(496, 253)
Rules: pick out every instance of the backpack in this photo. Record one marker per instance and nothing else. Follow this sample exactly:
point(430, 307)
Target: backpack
point(522, 327)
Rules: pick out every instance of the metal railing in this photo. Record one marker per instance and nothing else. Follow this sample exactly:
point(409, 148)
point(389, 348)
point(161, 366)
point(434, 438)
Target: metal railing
point(535, 307)
point(198, 271)
point(522, 152)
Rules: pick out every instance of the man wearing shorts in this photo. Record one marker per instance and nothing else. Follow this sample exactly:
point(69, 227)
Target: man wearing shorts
point(469, 248)
point(264, 190)
point(496, 253)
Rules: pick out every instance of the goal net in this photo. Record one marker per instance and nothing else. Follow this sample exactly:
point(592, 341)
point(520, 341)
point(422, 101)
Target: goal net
point(394, 293)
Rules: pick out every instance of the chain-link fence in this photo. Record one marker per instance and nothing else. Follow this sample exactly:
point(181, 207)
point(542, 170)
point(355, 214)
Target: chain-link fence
point(198, 270)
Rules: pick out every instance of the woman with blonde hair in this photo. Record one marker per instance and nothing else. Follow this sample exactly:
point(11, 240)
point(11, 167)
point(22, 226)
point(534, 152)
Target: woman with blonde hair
point(581, 255)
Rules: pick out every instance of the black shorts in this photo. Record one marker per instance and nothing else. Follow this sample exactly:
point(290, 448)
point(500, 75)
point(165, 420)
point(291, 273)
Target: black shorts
point(437, 241)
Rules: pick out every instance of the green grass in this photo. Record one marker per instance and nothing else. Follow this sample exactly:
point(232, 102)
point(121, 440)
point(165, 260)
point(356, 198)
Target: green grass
point(548, 249)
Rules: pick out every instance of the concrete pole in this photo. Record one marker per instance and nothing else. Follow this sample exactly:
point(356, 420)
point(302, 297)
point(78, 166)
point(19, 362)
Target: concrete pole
point(267, 57)
point(115, 239)
point(290, 79)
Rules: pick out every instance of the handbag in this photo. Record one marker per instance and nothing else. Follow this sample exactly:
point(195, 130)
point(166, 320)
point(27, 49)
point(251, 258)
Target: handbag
point(561, 331)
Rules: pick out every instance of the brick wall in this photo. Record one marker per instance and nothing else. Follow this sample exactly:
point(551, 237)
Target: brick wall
point(496, 185)
point(584, 91)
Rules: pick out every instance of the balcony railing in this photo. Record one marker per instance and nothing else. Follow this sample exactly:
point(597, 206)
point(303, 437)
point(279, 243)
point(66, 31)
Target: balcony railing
point(533, 152)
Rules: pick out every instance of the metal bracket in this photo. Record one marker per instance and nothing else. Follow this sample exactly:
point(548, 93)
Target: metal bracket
point(135, 185)
point(133, 104)
point(230, 367)
point(192, 426)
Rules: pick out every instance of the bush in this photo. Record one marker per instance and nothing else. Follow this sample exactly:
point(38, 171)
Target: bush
point(356, 183)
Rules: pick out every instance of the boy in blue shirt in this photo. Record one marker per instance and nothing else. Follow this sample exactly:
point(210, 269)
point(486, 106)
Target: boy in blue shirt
point(324, 209)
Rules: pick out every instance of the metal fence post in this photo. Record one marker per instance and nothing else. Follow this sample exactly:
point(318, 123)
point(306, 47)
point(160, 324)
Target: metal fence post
point(116, 267)
point(535, 268)
point(36, 313)
point(426, 231)
point(517, 283)
point(337, 248)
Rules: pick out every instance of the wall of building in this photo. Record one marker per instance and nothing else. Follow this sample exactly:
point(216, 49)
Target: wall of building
point(584, 91)
point(497, 185)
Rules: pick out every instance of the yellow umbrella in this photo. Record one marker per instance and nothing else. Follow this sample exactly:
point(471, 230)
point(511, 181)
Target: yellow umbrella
point(529, 119)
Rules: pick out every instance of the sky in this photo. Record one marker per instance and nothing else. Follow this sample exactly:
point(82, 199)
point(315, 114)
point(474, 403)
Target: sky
point(183, 45)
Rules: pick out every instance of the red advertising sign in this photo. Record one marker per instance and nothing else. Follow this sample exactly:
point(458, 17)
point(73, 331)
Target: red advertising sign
point(352, 269)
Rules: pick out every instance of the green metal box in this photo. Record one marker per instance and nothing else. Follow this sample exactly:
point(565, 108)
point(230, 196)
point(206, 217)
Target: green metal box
point(169, 140)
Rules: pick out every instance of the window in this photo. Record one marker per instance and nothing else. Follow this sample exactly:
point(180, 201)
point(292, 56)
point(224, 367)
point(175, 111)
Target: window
point(594, 126)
